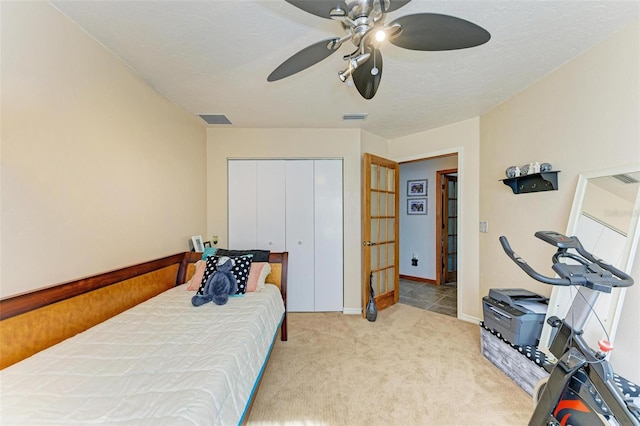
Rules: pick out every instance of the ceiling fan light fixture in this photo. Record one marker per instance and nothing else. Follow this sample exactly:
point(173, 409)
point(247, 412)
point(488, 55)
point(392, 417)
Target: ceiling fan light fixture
point(393, 30)
point(337, 13)
point(354, 62)
point(359, 60)
point(344, 74)
point(381, 35)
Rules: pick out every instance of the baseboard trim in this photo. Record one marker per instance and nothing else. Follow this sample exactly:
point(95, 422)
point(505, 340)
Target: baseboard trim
point(419, 279)
point(469, 318)
point(463, 317)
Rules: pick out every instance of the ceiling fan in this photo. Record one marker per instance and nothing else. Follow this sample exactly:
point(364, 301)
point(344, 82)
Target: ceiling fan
point(364, 23)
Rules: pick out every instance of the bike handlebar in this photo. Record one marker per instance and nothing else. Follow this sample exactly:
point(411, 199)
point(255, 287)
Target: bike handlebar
point(528, 269)
point(621, 278)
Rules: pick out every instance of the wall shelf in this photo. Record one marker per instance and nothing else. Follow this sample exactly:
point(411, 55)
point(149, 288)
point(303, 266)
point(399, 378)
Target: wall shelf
point(544, 181)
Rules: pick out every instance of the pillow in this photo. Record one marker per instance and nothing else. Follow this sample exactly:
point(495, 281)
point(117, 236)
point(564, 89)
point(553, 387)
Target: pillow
point(258, 255)
point(257, 275)
point(208, 251)
point(240, 271)
point(263, 276)
point(196, 279)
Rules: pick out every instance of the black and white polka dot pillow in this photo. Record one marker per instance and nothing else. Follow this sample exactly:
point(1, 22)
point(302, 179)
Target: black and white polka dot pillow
point(240, 271)
point(209, 269)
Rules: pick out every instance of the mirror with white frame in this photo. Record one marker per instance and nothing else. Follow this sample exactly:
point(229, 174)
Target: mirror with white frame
point(604, 216)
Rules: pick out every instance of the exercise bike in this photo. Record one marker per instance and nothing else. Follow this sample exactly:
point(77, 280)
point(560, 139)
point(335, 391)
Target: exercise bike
point(580, 389)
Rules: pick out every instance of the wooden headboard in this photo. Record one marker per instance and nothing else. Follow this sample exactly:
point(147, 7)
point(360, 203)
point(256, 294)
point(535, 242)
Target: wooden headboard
point(34, 321)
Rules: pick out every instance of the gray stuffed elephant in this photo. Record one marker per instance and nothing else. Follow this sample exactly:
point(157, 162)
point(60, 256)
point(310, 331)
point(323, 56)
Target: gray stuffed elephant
point(219, 285)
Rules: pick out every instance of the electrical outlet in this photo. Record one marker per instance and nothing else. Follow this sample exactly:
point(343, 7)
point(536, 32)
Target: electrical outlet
point(484, 226)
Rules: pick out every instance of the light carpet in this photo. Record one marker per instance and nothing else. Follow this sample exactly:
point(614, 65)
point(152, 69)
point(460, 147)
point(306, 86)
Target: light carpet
point(410, 367)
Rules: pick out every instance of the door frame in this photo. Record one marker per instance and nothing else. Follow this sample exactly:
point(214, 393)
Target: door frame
point(440, 222)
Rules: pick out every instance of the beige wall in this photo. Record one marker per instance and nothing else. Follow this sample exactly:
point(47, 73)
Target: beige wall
point(99, 171)
point(373, 144)
point(582, 117)
point(460, 138)
point(291, 143)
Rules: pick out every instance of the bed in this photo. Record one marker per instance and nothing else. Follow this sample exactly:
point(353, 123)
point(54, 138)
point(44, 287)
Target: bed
point(161, 361)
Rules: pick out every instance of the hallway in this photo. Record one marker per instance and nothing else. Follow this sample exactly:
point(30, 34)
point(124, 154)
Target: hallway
point(435, 298)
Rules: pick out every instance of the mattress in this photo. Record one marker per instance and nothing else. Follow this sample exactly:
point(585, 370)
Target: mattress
point(161, 362)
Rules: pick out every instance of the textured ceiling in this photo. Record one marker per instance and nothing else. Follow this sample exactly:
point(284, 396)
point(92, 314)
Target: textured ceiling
point(626, 191)
point(213, 57)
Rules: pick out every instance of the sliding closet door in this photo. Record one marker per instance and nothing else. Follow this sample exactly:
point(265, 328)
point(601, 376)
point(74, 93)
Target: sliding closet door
point(271, 219)
point(242, 208)
point(293, 206)
point(328, 290)
point(300, 235)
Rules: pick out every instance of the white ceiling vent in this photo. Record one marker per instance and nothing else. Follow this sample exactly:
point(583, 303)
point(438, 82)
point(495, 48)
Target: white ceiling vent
point(355, 116)
point(215, 118)
point(626, 178)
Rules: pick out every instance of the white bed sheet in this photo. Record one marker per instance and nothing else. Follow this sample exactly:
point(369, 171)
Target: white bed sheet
point(162, 362)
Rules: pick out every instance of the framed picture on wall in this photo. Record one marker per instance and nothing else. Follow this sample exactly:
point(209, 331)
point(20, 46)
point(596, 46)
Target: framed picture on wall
point(417, 206)
point(417, 188)
point(198, 245)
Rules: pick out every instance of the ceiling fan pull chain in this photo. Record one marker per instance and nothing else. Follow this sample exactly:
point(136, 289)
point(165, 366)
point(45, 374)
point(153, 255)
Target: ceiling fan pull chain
point(374, 70)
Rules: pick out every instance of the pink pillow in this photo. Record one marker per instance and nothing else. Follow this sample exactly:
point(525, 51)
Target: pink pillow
point(257, 274)
point(196, 279)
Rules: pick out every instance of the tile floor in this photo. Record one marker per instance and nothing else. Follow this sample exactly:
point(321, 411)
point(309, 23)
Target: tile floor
point(436, 298)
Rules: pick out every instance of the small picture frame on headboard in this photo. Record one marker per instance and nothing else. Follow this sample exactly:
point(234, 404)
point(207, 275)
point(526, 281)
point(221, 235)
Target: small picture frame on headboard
point(197, 243)
point(207, 244)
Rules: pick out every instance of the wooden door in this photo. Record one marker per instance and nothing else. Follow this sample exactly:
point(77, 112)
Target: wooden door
point(380, 230)
point(450, 229)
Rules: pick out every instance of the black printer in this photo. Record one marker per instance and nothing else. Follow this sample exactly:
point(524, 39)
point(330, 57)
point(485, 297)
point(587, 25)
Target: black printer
point(515, 313)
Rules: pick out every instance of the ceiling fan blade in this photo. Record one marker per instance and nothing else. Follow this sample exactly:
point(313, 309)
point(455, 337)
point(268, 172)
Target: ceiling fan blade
point(367, 76)
point(396, 4)
point(308, 56)
point(434, 32)
point(321, 8)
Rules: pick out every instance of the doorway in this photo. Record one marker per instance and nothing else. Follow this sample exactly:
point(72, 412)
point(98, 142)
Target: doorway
point(428, 242)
